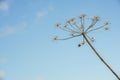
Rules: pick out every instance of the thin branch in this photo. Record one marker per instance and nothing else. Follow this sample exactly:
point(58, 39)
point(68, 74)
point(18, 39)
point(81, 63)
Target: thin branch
point(72, 26)
point(91, 25)
point(78, 27)
point(71, 30)
point(82, 26)
point(83, 23)
point(96, 29)
point(98, 55)
point(88, 37)
point(70, 37)
point(67, 30)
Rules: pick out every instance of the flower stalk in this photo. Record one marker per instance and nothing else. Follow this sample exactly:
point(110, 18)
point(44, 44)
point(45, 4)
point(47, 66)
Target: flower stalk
point(98, 55)
point(76, 30)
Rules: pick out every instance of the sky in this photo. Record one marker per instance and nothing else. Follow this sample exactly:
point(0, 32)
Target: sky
point(28, 51)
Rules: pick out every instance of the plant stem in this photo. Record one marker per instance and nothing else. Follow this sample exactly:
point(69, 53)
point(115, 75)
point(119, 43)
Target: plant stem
point(98, 55)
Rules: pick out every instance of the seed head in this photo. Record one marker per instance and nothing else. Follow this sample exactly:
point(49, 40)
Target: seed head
point(106, 28)
point(106, 23)
point(56, 38)
point(58, 24)
point(92, 39)
point(82, 16)
point(72, 34)
point(71, 20)
point(75, 29)
point(96, 18)
point(74, 22)
point(79, 45)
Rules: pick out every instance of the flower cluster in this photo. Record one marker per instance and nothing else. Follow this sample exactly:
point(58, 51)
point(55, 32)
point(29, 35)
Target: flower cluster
point(76, 29)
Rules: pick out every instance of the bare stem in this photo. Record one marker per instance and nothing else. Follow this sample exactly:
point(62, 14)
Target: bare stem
point(96, 29)
point(98, 55)
point(70, 37)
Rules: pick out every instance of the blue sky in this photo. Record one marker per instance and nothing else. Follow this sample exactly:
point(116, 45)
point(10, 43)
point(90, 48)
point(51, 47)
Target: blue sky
point(27, 49)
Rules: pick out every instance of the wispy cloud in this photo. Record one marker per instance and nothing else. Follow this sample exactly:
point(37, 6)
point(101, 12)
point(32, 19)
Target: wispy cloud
point(50, 8)
point(44, 12)
point(41, 14)
point(4, 6)
point(9, 30)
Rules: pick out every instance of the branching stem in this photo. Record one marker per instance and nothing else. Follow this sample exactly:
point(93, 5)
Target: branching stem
point(70, 37)
point(100, 56)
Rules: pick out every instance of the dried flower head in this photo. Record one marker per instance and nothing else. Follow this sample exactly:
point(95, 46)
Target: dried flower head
point(56, 38)
point(82, 15)
point(72, 34)
point(96, 18)
point(106, 23)
point(75, 30)
point(58, 24)
point(106, 28)
point(70, 20)
point(79, 45)
point(92, 39)
point(74, 22)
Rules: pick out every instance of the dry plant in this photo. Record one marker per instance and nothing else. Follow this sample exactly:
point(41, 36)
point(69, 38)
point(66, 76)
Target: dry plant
point(76, 29)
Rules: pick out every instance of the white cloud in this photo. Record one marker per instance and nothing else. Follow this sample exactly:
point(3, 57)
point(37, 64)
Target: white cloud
point(9, 30)
point(2, 74)
point(4, 6)
point(44, 12)
point(41, 14)
point(50, 8)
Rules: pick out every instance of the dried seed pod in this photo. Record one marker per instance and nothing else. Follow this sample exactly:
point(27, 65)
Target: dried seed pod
point(79, 45)
point(96, 18)
point(55, 38)
point(106, 23)
point(106, 28)
point(58, 24)
point(92, 39)
point(82, 16)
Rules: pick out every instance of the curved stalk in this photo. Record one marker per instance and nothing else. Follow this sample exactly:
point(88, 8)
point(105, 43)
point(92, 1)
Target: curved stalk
point(98, 55)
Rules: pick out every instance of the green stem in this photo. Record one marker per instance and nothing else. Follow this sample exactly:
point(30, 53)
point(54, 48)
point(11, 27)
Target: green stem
point(98, 55)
